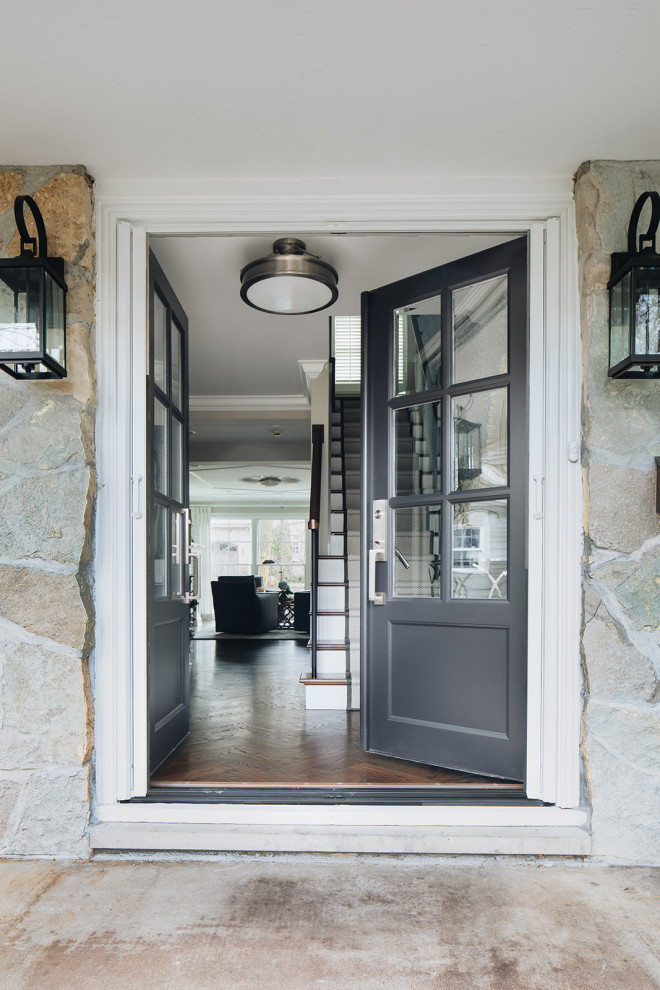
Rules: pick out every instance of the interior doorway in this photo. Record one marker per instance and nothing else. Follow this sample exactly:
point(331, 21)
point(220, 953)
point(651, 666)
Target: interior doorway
point(407, 254)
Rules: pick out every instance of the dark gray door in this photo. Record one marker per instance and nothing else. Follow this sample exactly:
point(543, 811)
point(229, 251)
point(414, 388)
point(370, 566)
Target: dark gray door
point(168, 619)
point(444, 515)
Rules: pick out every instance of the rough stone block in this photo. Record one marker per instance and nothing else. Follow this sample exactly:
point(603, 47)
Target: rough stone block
point(45, 517)
point(80, 381)
point(10, 791)
point(60, 614)
point(622, 507)
point(47, 439)
point(616, 670)
point(80, 302)
point(44, 716)
point(11, 184)
point(623, 750)
point(636, 583)
point(13, 397)
point(51, 816)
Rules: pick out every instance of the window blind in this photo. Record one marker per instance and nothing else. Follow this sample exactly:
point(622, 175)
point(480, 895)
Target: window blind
point(346, 346)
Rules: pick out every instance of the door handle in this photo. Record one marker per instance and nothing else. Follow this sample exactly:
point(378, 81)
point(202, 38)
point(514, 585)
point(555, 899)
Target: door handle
point(378, 551)
point(377, 597)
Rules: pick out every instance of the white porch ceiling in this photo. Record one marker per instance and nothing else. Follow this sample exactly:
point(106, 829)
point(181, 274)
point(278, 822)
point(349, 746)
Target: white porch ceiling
point(277, 89)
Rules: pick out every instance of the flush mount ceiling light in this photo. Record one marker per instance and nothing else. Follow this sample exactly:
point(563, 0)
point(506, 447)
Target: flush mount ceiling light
point(269, 480)
point(290, 280)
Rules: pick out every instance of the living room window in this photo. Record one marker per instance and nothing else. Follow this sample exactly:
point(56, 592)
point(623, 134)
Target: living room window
point(240, 546)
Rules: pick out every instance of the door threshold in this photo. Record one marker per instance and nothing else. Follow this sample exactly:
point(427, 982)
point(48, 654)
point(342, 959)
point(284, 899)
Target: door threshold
point(370, 794)
point(446, 785)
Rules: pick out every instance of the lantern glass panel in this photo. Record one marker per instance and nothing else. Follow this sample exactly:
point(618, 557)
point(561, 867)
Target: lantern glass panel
point(620, 295)
point(54, 338)
point(647, 310)
point(20, 297)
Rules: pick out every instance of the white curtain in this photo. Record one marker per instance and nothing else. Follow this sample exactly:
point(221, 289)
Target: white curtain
point(201, 533)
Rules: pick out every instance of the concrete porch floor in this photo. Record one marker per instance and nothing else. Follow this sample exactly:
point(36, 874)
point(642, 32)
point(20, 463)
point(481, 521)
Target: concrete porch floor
point(363, 923)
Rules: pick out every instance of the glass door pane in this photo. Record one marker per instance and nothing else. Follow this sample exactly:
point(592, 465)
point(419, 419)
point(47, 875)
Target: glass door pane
point(418, 346)
point(479, 329)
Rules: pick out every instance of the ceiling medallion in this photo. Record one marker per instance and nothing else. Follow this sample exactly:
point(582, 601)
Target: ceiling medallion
point(269, 480)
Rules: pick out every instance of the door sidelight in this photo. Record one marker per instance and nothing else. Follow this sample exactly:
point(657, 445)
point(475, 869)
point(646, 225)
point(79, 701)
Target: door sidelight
point(378, 549)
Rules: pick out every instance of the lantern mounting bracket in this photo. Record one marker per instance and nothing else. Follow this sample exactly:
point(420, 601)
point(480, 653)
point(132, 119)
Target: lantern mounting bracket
point(29, 244)
point(649, 236)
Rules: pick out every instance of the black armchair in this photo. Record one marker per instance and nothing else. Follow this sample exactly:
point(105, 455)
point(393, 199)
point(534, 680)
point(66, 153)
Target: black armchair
point(240, 608)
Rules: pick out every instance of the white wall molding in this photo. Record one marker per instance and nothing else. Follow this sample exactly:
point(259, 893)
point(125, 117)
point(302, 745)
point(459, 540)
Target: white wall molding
point(309, 370)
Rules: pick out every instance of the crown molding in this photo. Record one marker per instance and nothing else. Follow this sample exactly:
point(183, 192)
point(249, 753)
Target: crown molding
point(249, 403)
point(309, 370)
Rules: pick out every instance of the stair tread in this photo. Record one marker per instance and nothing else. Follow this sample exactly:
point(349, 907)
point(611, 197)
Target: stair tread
point(324, 679)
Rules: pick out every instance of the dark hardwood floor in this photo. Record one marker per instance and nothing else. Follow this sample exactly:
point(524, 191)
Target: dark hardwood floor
point(249, 726)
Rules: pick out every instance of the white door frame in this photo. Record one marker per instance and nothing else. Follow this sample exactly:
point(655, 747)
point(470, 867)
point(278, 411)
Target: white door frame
point(126, 216)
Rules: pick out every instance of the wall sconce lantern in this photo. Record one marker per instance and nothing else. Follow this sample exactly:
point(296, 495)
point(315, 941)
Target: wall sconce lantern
point(635, 300)
point(289, 281)
point(32, 304)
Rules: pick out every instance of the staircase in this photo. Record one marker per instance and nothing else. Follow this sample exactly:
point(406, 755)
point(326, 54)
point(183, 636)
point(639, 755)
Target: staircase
point(337, 682)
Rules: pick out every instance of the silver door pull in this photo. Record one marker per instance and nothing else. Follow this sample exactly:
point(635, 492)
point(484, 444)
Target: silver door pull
point(375, 554)
point(378, 550)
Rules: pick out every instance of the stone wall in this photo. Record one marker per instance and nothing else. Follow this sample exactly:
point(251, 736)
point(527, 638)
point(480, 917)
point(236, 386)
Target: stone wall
point(621, 640)
point(47, 491)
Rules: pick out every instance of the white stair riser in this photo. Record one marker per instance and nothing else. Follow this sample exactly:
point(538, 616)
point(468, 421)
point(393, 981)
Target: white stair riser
point(331, 697)
point(331, 569)
point(336, 501)
point(330, 662)
point(336, 544)
point(331, 627)
point(332, 599)
point(337, 522)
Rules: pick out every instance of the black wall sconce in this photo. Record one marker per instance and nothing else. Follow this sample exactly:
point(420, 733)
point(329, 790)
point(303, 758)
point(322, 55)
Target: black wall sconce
point(32, 304)
point(635, 300)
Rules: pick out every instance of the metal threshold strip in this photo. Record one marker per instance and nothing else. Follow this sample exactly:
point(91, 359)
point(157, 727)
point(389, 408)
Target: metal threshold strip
point(501, 794)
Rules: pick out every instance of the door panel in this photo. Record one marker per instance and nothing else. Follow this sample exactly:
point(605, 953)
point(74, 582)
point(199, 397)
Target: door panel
point(169, 613)
point(446, 426)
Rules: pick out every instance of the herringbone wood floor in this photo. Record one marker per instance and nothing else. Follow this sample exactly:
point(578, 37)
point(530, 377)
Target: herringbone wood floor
point(249, 726)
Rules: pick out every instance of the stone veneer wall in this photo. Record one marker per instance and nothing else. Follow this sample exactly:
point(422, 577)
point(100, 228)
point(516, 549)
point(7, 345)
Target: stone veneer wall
point(621, 638)
point(47, 493)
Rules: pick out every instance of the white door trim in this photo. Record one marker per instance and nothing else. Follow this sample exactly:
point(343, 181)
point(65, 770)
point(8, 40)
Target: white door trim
point(125, 218)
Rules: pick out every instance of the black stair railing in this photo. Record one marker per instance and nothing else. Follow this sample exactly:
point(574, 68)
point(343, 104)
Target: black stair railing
point(313, 525)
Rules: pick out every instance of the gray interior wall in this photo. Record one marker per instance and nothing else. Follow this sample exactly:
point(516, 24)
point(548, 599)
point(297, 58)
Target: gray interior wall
point(621, 619)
